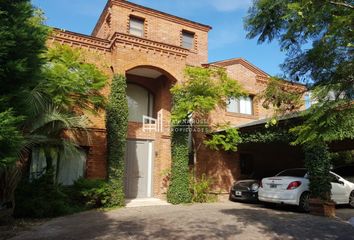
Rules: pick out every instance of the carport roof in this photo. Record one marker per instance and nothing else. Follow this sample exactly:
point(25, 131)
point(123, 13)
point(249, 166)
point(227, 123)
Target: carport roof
point(335, 146)
point(262, 122)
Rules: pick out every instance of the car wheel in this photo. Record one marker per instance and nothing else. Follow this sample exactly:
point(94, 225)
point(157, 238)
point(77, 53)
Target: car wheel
point(304, 204)
point(351, 199)
point(230, 197)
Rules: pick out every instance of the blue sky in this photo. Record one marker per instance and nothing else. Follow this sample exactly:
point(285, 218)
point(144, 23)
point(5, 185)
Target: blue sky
point(227, 39)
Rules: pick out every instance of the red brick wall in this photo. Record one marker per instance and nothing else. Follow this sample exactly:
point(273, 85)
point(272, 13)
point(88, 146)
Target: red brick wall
point(114, 51)
point(219, 166)
point(96, 166)
point(158, 27)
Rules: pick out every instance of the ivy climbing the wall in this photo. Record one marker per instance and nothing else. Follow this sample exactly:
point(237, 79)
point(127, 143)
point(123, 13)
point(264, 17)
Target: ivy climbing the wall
point(178, 191)
point(117, 127)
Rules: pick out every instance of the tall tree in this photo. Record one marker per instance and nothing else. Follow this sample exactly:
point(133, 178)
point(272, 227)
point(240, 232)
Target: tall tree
point(42, 92)
point(318, 39)
point(11, 138)
point(22, 37)
point(317, 36)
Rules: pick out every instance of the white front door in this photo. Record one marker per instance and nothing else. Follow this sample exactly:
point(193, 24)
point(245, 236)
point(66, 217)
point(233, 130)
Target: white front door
point(139, 169)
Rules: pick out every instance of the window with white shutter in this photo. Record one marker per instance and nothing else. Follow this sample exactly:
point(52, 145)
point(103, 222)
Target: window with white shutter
point(136, 26)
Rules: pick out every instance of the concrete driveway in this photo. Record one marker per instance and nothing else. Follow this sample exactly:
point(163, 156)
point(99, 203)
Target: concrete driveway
point(226, 220)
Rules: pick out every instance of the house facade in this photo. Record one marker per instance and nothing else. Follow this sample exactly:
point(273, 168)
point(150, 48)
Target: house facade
point(152, 49)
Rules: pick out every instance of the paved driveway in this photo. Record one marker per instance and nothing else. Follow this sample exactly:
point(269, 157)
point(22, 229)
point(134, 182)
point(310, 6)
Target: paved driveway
point(200, 221)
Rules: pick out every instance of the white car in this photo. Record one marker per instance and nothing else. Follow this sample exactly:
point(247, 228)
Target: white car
point(291, 186)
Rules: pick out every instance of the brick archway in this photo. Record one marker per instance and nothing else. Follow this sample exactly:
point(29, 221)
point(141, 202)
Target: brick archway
point(162, 71)
point(158, 82)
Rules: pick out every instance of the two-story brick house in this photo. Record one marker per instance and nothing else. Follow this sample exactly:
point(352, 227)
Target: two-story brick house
point(152, 49)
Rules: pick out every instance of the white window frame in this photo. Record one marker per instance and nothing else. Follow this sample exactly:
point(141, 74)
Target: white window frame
point(242, 105)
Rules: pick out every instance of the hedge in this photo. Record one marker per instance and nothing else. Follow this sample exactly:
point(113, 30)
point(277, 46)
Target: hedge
point(318, 164)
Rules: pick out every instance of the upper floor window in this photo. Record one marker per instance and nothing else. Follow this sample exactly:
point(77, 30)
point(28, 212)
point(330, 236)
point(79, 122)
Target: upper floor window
point(136, 26)
point(187, 39)
point(242, 105)
point(332, 95)
point(140, 103)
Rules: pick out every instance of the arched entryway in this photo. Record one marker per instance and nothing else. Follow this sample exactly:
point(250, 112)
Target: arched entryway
point(149, 145)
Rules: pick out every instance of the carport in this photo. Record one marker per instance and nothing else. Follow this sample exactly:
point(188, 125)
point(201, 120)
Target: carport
point(269, 157)
point(268, 149)
point(264, 151)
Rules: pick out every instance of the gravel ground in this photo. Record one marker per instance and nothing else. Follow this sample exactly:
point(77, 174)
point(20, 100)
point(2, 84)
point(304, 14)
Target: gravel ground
point(225, 220)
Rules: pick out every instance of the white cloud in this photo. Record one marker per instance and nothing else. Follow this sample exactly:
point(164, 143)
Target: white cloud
point(230, 5)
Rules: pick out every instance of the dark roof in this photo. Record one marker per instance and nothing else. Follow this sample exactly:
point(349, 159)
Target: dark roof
point(263, 121)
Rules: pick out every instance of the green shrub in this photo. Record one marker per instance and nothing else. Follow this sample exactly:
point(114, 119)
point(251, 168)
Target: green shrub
point(87, 192)
point(117, 128)
point(178, 191)
point(42, 198)
point(201, 189)
point(93, 193)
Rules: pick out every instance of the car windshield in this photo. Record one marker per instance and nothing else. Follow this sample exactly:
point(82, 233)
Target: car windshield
point(263, 174)
point(344, 171)
point(350, 179)
point(293, 173)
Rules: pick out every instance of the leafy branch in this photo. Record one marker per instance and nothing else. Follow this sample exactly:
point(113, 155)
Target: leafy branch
point(342, 4)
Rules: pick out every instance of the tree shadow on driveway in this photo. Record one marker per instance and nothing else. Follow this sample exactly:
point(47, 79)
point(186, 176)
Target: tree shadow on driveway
point(196, 222)
point(291, 225)
point(143, 224)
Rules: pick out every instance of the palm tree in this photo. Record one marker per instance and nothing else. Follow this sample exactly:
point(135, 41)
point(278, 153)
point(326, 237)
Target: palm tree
point(54, 113)
point(44, 127)
point(52, 129)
